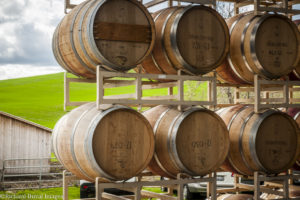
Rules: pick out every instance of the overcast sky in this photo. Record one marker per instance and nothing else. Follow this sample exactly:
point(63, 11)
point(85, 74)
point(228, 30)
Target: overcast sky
point(26, 29)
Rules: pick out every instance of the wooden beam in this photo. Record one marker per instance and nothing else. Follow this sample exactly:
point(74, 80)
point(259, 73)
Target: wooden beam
point(65, 186)
point(153, 3)
point(273, 100)
point(81, 80)
point(155, 102)
point(117, 83)
point(120, 96)
point(157, 195)
point(159, 85)
point(256, 185)
point(68, 5)
point(224, 105)
point(100, 89)
point(280, 10)
point(270, 191)
point(66, 91)
point(168, 97)
point(170, 2)
point(157, 76)
point(113, 197)
point(256, 93)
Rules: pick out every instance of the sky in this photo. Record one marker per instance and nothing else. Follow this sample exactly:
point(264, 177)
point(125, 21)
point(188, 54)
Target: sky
point(26, 29)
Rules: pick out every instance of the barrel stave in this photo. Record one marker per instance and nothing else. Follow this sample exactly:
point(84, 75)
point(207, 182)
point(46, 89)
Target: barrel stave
point(64, 140)
point(237, 46)
point(236, 154)
point(162, 131)
point(65, 40)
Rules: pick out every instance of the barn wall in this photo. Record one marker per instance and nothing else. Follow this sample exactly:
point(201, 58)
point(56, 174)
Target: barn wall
point(19, 140)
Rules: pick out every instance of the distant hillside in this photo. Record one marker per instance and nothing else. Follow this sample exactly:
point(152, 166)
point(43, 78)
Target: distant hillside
point(40, 98)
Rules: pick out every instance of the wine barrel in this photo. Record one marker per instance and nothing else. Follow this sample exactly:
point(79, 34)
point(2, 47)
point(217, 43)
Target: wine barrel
point(235, 197)
point(115, 144)
point(267, 45)
point(117, 34)
point(194, 141)
point(295, 114)
point(194, 39)
point(267, 142)
point(295, 75)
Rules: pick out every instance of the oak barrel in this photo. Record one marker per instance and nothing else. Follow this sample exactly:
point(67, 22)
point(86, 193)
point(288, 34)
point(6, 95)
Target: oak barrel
point(295, 114)
point(295, 75)
point(115, 144)
point(267, 142)
point(267, 45)
point(117, 34)
point(194, 39)
point(194, 141)
point(235, 197)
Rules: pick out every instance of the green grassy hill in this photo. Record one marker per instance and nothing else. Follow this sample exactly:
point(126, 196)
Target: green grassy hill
point(40, 98)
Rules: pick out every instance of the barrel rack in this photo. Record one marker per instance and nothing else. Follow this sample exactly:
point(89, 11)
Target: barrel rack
point(272, 185)
point(267, 88)
point(142, 82)
point(68, 5)
point(285, 89)
point(281, 6)
point(137, 187)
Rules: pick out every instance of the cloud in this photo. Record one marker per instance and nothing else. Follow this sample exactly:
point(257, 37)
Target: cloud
point(26, 29)
point(17, 71)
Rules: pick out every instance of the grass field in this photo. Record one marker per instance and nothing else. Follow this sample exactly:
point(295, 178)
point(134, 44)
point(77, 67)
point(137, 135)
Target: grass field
point(45, 194)
point(40, 98)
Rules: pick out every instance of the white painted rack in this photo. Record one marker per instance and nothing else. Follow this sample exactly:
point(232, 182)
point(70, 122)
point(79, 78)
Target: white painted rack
point(142, 82)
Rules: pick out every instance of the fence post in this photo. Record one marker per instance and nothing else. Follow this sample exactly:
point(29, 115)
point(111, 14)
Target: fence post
point(3, 170)
point(1, 173)
point(40, 178)
point(65, 186)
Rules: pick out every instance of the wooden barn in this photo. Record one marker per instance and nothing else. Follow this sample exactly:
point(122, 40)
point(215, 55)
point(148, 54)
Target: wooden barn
point(24, 145)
